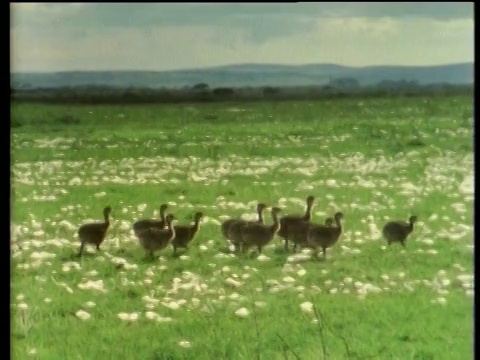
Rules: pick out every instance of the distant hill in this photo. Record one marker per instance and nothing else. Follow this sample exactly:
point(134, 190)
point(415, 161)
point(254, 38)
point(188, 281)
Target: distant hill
point(244, 75)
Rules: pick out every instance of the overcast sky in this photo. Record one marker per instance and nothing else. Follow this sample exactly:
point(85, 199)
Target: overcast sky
point(153, 36)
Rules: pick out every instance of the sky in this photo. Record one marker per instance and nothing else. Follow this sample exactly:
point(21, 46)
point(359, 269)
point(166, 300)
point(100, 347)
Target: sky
point(156, 36)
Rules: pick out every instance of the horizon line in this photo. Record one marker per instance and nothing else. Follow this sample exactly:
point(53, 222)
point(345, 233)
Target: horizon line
point(236, 64)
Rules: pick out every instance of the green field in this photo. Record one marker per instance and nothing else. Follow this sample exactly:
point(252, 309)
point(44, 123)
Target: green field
point(374, 160)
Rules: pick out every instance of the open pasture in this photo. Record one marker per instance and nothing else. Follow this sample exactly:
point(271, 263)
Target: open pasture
point(372, 159)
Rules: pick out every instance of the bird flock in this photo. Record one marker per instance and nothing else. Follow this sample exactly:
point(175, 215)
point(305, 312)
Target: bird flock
point(157, 234)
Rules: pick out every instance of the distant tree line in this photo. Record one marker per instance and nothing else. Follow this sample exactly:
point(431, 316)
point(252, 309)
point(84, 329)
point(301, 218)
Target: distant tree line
point(201, 92)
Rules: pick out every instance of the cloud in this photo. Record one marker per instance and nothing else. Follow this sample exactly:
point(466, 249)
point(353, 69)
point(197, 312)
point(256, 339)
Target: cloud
point(171, 36)
point(105, 15)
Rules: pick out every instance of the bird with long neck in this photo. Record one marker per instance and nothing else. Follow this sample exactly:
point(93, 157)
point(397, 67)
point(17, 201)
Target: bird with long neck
point(156, 223)
point(231, 227)
point(289, 222)
point(299, 233)
point(398, 231)
point(322, 236)
point(259, 235)
point(184, 234)
point(94, 233)
point(154, 239)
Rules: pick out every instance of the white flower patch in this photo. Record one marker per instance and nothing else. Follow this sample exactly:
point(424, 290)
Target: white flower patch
point(185, 344)
point(360, 182)
point(57, 242)
point(233, 283)
point(124, 225)
point(67, 225)
point(467, 186)
point(301, 272)
point(260, 304)
point(82, 315)
point(66, 267)
point(92, 285)
point(42, 255)
point(242, 312)
point(75, 181)
point(459, 208)
point(263, 258)
point(235, 296)
point(277, 288)
point(465, 280)
point(129, 317)
point(149, 273)
point(151, 315)
point(307, 307)
point(297, 258)
point(439, 300)
point(173, 305)
point(331, 183)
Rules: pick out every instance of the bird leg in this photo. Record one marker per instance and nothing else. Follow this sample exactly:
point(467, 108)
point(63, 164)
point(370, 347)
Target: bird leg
point(244, 248)
point(80, 251)
point(259, 247)
point(98, 247)
point(236, 248)
point(174, 251)
point(324, 253)
point(294, 247)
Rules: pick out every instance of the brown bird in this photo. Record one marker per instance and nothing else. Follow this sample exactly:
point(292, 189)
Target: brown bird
point(231, 227)
point(290, 222)
point(321, 236)
point(398, 231)
point(146, 223)
point(153, 239)
point(299, 233)
point(184, 234)
point(255, 234)
point(94, 233)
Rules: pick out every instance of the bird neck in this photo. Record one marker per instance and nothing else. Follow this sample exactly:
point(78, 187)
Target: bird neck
point(260, 215)
point(162, 215)
point(338, 222)
point(410, 227)
point(308, 212)
point(276, 224)
point(107, 219)
point(196, 225)
point(171, 228)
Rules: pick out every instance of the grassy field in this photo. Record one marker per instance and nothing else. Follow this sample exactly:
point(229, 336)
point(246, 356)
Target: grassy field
point(373, 160)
